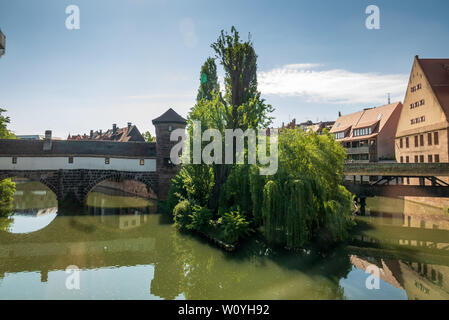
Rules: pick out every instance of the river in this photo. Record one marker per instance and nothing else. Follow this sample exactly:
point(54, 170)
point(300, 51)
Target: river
point(120, 248)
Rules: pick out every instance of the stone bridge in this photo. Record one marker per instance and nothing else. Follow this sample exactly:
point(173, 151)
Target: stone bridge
point(74, 167)
point(80, 182)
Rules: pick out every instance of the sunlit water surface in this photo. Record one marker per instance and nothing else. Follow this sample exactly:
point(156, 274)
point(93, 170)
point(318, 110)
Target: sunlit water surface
point(124, 250)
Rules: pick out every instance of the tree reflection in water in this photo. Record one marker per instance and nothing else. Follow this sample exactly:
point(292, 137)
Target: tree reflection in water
point(117, 232)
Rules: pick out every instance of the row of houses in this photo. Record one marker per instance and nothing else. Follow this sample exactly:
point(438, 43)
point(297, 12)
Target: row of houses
point(415, 131)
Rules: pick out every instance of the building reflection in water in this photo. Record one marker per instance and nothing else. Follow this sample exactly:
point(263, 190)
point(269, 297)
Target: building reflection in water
point(119, 231)
point(414, 238)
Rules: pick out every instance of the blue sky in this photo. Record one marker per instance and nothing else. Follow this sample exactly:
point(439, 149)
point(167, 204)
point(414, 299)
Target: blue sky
point(131, 60)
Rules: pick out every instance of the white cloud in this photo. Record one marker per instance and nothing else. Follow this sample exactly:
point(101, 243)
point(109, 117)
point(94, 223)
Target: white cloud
point(332, 86)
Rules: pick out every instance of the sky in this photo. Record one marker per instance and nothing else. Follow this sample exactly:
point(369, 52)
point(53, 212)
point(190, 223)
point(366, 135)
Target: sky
point(132, 60)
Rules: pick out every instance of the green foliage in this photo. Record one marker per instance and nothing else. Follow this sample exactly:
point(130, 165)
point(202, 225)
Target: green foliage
point(208, 81)
point(182, 214)
point(176, 193)
point(305, 197)
point(7, 189)
point(236, 192)
point(197, 182)
point(148, 137)
point(200, 218)
point(190, 216)
point(302, 200)
point(4, 121)
point(235, 226)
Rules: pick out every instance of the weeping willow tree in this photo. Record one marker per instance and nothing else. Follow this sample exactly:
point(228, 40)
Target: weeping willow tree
point(305, 197)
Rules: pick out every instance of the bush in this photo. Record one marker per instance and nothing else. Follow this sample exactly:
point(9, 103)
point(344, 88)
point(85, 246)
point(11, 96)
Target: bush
point(235, 226)
point(182, 214)
point(200, 218)
point(7, 189)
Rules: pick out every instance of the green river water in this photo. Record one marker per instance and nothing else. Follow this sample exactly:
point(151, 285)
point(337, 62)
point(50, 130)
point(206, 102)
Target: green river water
point(123, 249)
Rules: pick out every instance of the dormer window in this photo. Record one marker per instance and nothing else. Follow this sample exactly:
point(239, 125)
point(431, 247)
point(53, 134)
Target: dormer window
point(340, 135)
point(362, 131)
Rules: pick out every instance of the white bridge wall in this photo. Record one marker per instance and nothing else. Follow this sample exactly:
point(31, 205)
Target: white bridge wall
point(92, 163)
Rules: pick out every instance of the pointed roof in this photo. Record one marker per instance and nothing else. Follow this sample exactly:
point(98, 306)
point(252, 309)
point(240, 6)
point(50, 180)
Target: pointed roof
point(365, 118)
point(170, 116)
point(437, 74)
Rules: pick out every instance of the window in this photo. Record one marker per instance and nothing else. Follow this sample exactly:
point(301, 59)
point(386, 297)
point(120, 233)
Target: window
point(106, 160)
point(362, 131)
point(421, 158)
point(418, 120)
point(402, 159)
point(406, 142)
point(416, 159)
point(435, 138)
point(400, 143)
point(421, 140)
point(70, 159)
point(418, 86)
point(429, 138)
point(417, 104)
point(437, 157)
point(429, 158)
point(407, 159)
point(416, 141)
point(142, 162)
point(14, 160)
point(340, 135)
point(170, 128)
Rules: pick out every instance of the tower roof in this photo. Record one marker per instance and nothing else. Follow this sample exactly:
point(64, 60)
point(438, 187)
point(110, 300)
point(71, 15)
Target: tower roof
point(170, 116)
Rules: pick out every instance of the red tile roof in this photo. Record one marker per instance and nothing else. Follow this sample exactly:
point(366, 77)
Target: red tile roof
point(363, 119)
point(121, 135)
point(437, 73)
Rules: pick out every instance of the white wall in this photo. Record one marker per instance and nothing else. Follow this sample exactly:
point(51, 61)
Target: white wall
point(93, 163)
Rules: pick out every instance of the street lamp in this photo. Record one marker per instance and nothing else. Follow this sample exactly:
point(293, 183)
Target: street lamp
point(2, 43)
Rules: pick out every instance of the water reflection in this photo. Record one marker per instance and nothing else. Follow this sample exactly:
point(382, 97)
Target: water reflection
point(34, 207)
point(127, 251)
point(409, 241)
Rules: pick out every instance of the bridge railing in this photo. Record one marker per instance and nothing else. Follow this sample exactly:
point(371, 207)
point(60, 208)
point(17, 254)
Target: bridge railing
point(396, 169)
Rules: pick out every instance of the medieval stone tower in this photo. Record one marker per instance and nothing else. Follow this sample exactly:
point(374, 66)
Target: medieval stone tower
point(164, 125)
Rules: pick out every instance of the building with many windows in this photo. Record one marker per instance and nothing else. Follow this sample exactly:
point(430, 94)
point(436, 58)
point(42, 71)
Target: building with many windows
point(422, 133)
point(368, 135)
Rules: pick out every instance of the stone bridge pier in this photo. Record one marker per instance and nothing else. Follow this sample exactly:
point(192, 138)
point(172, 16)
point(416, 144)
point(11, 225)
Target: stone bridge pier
point(69, 184)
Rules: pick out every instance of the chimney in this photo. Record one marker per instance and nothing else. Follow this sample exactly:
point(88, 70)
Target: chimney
point(47, 140)
point(114, 128)
point(101, 132)
point(339, 113)
point(91, 133)
point(129, 125)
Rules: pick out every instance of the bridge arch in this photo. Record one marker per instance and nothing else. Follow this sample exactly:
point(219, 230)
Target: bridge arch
point(144, 178)
point(32, 176)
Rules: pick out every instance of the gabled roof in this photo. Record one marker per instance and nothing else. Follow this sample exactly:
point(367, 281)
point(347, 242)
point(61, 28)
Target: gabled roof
point(437, 74)
point(343, 123)
point(125, 134)
point(365, 118)
point(170, 116)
